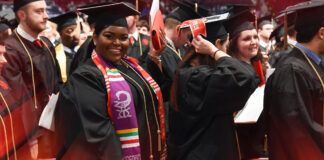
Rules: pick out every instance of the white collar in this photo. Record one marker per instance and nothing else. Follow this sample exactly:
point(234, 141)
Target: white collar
point(292, 42)
point(170, 42)
point(69, 50)
point(25, 35)
point(135, 35)
point(263, 44)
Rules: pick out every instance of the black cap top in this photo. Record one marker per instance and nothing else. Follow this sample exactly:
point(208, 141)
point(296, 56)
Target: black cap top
point(278, 32)
point(65, 20)
point(238, 8)
point(309, 14)
point(215, 31)
point(3, 27)
point(186, 11)
point(109, 14)
point(92, 18)
point(239, 22)
point(264, 20)
point(291, 17)
point(20, 3)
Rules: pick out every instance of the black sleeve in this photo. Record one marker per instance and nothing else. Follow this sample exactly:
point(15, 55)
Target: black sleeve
point(85, 95)
point(223, 90)
point(289, 106)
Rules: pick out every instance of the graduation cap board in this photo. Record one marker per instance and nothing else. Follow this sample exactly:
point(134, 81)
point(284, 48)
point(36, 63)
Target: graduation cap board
point(109, 14)
point(91, 18)
point(111, 9)
point(156, 21)
point(198, 26)
point(239, 22)
point(187, 10)
point(65, 20)
point(20, 3)
point(264, 21)
point(308, 14)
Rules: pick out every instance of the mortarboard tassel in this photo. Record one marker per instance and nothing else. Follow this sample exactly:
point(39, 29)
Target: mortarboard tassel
point(285, 32)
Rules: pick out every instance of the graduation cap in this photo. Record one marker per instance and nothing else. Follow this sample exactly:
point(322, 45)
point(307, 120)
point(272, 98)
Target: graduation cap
point(186, 11)
point(264, 21)
point(278, 32)
point(239, 22)
point(309, 14)
point(65, 20)
point(92, 18)
point(215, 31)
point(238, 8)
point(20, 3)
point(109, 14)
point(141, 4)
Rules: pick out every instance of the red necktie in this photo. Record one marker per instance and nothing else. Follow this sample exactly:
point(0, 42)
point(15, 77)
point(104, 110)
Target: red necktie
point(131, 40)
point(38, 43)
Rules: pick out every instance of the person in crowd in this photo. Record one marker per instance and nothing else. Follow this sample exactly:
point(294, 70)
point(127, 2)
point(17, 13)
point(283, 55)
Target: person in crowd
point(5, 126)
point(139, 43)
point(85, 50)
point(143, 27)
point(280, 52)
point(51, 33)
point(244, 45)
point(33, 74)
point(5, 31)
point(69, 29)
point(293, 100)
point(265, 28)
point(208, 88)
point(124, 116)
point(164, 66)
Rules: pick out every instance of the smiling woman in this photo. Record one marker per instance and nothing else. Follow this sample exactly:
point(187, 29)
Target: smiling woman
point(110, 108)
point(112, 43)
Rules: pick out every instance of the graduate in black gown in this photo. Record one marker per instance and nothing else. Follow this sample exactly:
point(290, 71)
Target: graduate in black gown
point(85, 50)
point(207, 90)
point(69, 30)
point(244, 45)
point(32, 73)
point(139, 43)
point(110, 108)
point(265, 28)
point(293, 100)
point(280, 51)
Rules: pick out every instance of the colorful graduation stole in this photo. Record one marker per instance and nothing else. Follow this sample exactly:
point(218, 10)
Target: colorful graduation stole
point(121, 107)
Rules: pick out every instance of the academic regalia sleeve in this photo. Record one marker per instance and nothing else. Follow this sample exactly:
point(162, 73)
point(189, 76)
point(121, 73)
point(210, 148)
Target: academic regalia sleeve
point(82, 54)
point(289, 106)
point(222, 90)
point(86, 93)
point(161, 78)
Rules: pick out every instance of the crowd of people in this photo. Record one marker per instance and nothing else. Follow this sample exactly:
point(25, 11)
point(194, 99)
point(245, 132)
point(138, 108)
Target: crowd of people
point(89, 83)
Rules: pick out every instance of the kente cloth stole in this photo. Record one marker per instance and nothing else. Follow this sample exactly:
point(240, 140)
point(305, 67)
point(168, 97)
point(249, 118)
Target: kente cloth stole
point(121, 107)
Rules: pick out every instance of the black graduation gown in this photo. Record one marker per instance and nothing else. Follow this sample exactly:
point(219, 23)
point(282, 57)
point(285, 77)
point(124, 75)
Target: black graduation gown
point(82, 55)
point(276, 56)
point(207, 98)
point(17, 72)
point(69, 58)
point(170, 61)
point(135, 51)
point(293, 104)
point(82, 121)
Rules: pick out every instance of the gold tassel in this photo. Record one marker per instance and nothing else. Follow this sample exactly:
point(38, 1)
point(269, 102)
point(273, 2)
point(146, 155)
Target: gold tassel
point(151, 156)
point(265, 143)
point(159, 141)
